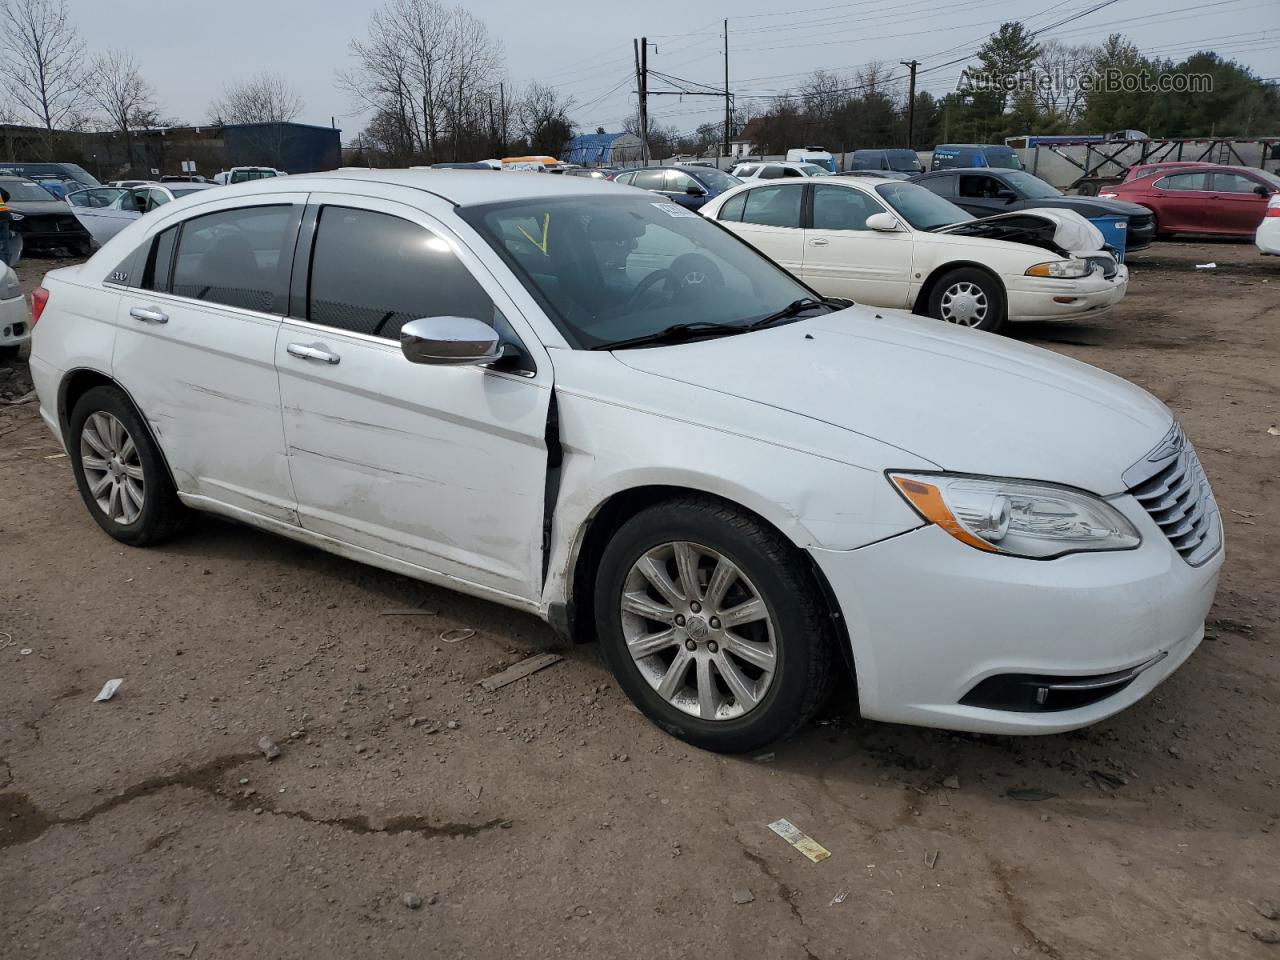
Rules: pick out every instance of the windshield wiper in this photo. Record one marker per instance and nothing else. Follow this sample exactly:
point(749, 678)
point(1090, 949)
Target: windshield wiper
point(793, 309)
point(677, 333)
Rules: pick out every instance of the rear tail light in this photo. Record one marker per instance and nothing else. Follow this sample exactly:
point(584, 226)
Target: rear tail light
point(1273, 206)
point(39, 300)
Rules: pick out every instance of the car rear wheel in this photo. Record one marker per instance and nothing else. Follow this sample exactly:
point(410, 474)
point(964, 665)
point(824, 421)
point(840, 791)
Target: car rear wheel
point(711, 623)
point(119, 471)
point(968, 298)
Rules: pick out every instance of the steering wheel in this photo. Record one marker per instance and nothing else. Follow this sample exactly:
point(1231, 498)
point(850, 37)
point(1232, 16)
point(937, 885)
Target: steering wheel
point(689, 273)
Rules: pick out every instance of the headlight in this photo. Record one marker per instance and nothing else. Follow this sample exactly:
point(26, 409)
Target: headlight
point(1017, 518)
point(1061, 269)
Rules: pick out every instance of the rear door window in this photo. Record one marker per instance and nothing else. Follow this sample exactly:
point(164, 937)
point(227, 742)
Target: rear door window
point(1184, 181)
point(372, 273)
point(648, 179)
point(239, 258)
point(776, 206)
point(733, 207)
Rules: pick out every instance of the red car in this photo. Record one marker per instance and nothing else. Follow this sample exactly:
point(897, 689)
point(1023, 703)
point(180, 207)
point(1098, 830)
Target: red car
point(1140, 170)
point(1204, 199)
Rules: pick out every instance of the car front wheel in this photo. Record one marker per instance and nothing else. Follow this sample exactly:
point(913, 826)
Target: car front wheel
point(712, 624)
point(968, 298)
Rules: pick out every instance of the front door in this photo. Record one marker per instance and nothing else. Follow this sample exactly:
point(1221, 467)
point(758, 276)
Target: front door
point(105, 211)
point(1182, 198)
point(1237, 206)
point(978, 193)
point(196, 348)
point(843, 257)
point(440, 467)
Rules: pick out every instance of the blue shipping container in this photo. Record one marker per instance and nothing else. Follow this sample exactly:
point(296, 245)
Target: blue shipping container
point(1115, 231)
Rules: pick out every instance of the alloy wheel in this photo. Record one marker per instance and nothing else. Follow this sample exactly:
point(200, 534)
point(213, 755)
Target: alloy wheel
point(112, 468)
point(699, 631)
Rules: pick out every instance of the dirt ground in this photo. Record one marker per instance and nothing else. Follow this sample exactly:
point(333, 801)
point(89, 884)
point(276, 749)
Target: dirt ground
point(548, 818)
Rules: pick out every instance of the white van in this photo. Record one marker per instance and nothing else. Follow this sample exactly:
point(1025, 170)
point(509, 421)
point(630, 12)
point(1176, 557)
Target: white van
point(244, 174)
point(818, 155)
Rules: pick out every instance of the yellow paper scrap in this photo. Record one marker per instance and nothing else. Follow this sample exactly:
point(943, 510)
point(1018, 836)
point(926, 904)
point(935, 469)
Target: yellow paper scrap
point(810, 847)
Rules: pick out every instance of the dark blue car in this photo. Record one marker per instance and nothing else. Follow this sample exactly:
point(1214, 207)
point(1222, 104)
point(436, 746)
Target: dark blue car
point(690, 186)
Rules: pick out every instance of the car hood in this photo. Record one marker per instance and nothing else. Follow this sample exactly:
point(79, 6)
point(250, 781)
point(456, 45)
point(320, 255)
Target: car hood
point(967, 401)
point(1094, 206)
point(1063, 231)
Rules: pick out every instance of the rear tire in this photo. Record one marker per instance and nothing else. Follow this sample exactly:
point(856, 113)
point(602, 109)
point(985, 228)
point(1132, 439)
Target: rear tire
point(968, 298)
point(733, 684)
point(120, 472)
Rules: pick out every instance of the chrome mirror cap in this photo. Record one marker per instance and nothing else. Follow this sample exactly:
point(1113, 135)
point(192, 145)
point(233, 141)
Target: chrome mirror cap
point(449, 341)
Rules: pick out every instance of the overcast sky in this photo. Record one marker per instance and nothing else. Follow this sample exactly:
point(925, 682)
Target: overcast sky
point(584, 46)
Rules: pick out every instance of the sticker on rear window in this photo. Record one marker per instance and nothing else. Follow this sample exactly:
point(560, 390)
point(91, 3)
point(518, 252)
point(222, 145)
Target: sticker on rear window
point(674, 210)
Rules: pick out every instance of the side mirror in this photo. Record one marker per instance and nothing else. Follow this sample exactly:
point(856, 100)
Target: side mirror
point(449, 341)
point(883, 222)
point(695, 191)
point(1008, 196)
point(1261, 191)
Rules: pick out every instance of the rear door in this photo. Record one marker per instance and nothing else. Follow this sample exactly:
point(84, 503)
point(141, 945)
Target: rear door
point(768, 217)
point(440, 467)
point(1181, 200)
point(1236, 206)
point(196, 349)
point(843, 257)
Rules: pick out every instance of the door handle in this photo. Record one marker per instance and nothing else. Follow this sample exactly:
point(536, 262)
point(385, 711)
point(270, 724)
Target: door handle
point(819, 242)
point(149, 315)
point(304, 352)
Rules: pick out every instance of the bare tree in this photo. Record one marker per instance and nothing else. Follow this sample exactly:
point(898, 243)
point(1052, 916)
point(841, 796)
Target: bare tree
point(116, 86)
point(266, 98)
point(544, 121)
point(1059, 101)
point(41, 58)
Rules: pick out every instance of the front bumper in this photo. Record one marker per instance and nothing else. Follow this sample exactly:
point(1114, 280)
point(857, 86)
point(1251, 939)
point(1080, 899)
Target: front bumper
point(1033, 298)
point(930, 618)
point(15, 322)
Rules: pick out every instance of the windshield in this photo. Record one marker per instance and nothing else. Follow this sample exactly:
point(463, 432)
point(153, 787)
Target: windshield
point(904, 161)
point(240, 176)
point(24, 191)
point(717, 180)
point(1031, 188)
point(611, 269)
point(1004, 158)
point(922, 208)
point(181, 192)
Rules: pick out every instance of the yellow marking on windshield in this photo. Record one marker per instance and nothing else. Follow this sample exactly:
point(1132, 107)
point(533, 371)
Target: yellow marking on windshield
point(546, 225)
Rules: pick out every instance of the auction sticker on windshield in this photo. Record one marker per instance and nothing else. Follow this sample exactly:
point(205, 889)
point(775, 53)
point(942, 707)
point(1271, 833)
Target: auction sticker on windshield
point(674, 210)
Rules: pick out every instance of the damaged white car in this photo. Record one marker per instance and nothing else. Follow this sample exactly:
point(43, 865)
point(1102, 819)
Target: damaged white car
point(105, 211)
point(898, 245)
point(585, 402)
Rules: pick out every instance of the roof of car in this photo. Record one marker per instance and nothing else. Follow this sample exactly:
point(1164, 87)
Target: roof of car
point(460, 187)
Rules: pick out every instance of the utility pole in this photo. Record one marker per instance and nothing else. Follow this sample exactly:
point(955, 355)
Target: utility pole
point(644, 100)
point(911, 102)
point(727, 105)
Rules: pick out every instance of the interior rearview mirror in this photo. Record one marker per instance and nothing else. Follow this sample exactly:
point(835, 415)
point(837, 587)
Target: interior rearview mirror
point(449, 341)
point(883, 222)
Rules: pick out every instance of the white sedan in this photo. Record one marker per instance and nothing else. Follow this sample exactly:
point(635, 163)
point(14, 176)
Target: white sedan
point(891, 244)
point(582, 401)
point(15, 315)
point(1267, 237)
point(778, 170)
point(105, 211)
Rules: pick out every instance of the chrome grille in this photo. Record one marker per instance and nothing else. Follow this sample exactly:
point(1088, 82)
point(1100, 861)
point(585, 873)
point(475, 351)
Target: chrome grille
point(1171, 486)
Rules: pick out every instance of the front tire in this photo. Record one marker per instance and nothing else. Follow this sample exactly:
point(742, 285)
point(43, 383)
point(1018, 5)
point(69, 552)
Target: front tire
point(119, 470)
point(712, 625)
point(968, 298)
